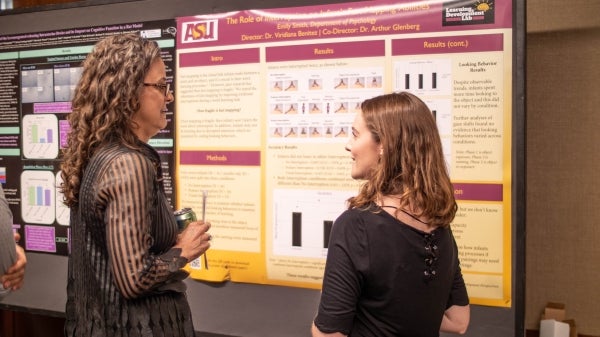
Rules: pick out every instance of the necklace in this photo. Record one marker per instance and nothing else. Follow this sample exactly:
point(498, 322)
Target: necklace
point(407, 213)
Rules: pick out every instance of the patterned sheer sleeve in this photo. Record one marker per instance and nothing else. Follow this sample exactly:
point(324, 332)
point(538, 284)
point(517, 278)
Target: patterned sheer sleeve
point(128, 190)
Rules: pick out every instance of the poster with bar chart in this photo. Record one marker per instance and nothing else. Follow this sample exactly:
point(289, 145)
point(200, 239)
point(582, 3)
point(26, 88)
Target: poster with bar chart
point(38, 77)
point(303, 220)
point(285, 85)
point(40, 136)
point(38, 196)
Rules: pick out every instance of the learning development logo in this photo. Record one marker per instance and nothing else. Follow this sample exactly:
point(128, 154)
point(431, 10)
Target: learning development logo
point(468, 12)
point(200, 31)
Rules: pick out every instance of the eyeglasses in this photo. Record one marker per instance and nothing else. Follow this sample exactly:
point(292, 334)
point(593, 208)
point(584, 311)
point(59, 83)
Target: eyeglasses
point(164, 87)
point(431, 256)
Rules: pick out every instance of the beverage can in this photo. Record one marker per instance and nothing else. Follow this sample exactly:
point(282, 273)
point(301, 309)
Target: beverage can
point(184, 216)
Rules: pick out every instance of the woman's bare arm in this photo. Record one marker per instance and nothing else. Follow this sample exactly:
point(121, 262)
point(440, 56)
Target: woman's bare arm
point(456, 319)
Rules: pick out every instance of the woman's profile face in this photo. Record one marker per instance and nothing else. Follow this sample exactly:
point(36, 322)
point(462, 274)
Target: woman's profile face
point(364, 151)
point(152, 115)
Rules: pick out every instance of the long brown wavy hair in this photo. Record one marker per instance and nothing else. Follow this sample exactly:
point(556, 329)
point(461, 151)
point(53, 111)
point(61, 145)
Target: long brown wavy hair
point(105, 100)
point(412, 165)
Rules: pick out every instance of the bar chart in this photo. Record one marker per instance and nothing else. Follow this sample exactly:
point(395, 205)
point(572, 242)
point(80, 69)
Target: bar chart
point(424, 77)
point(303, 220)
point(38, 197)
point(40, 136)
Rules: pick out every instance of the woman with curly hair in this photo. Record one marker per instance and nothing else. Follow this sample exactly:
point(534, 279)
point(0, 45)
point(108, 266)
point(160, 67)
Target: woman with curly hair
point(124, 272)
point(392, 265)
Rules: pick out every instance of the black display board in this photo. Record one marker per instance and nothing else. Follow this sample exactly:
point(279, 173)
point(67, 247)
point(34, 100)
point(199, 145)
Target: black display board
point(235, 309)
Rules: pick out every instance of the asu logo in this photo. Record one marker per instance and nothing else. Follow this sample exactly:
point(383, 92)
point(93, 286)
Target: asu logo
point(200, 31)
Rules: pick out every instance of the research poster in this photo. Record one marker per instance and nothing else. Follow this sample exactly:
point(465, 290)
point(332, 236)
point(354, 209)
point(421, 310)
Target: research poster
point(38, 75)
point(265, 102)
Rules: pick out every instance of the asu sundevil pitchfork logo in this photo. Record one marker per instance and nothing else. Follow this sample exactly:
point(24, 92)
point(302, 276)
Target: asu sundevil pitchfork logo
point(200, 31)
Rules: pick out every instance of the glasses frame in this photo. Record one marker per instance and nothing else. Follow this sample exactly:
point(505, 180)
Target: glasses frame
point(164, 87)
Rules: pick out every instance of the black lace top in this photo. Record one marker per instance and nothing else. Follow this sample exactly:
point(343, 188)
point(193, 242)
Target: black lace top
point(124, 278)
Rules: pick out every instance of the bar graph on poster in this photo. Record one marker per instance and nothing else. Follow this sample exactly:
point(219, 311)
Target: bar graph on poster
point(38, 77)
point(265, 103)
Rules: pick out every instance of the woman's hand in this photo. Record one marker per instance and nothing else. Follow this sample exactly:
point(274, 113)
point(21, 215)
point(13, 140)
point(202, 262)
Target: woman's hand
point(456, 319)
point(15, 275)
point(194, 240)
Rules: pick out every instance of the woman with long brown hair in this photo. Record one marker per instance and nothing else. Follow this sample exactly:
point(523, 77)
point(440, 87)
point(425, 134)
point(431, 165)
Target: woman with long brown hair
point(392, 265)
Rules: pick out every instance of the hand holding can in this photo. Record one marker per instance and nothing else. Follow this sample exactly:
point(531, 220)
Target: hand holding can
point(185, 217)
point(194, 240)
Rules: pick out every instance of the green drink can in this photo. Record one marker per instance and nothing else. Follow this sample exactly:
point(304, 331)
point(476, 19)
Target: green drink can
point(184, 216)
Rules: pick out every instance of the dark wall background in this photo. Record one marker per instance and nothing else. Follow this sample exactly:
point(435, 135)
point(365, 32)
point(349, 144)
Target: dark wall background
point(230, 309)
